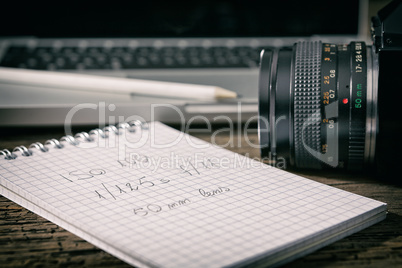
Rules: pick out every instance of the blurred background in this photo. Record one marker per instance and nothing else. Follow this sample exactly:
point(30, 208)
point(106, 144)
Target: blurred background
point(201, 42)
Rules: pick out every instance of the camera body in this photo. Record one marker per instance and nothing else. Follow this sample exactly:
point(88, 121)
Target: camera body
point(335, 105)
point(387, 41)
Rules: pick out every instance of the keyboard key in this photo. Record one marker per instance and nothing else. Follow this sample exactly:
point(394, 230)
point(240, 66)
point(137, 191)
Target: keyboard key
point(168, 61)
point(142, 61)
point(60, 62)
point(46, 57)
point(116, 64)
point(51, 67)
point(32, 63)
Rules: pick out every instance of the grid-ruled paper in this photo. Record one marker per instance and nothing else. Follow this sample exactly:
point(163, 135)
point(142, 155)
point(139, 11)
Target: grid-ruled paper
point(158, 197)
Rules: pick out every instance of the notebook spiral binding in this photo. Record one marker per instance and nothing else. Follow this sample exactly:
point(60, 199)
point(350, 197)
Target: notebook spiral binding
point(131, 126)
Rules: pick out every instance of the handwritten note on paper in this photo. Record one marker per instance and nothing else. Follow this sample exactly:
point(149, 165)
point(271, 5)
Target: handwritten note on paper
point(143, 176)
point(168, 200)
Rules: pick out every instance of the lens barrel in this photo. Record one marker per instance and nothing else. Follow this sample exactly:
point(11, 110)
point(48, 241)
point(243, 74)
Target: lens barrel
point(318, 105)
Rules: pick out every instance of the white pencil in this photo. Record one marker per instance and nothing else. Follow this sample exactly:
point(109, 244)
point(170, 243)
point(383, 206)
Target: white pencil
point(73, 81)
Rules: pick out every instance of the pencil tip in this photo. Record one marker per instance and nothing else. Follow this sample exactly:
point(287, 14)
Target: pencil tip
point(224, 93)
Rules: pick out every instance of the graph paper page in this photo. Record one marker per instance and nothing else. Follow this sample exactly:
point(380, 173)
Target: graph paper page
point(167, 199)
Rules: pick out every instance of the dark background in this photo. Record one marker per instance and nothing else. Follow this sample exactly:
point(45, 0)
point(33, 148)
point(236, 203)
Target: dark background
point(158, 18)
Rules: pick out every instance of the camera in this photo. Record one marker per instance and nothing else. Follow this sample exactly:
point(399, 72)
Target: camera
point(325, 105)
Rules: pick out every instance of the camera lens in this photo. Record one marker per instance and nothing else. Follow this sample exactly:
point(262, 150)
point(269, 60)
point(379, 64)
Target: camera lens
point(318, 105)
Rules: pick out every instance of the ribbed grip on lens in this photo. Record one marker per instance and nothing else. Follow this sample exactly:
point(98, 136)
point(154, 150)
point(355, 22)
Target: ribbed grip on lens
point(307, 95)
point(357, 138)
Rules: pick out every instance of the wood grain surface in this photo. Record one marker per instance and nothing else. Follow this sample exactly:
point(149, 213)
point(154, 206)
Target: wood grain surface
point(28, 240)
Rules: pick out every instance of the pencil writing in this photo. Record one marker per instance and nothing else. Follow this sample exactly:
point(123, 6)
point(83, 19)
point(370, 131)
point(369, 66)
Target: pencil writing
point(155, 208)
point(220, 190)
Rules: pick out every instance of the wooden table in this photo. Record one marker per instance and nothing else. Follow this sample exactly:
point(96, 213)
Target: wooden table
point(29, 240)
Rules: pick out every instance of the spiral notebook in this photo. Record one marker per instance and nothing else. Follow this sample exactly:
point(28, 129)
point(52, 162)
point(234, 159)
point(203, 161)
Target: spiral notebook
point(156, 197)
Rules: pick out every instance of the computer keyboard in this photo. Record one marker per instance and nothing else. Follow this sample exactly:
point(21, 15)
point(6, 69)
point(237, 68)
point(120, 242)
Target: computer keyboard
point(90, 58)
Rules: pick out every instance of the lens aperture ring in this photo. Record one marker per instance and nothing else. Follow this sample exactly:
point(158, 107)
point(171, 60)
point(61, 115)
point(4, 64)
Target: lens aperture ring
point(329, 106)
point(307, 96)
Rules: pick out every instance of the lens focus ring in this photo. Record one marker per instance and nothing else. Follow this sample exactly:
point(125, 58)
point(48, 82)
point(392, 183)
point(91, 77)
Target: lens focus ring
point(307, 94)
